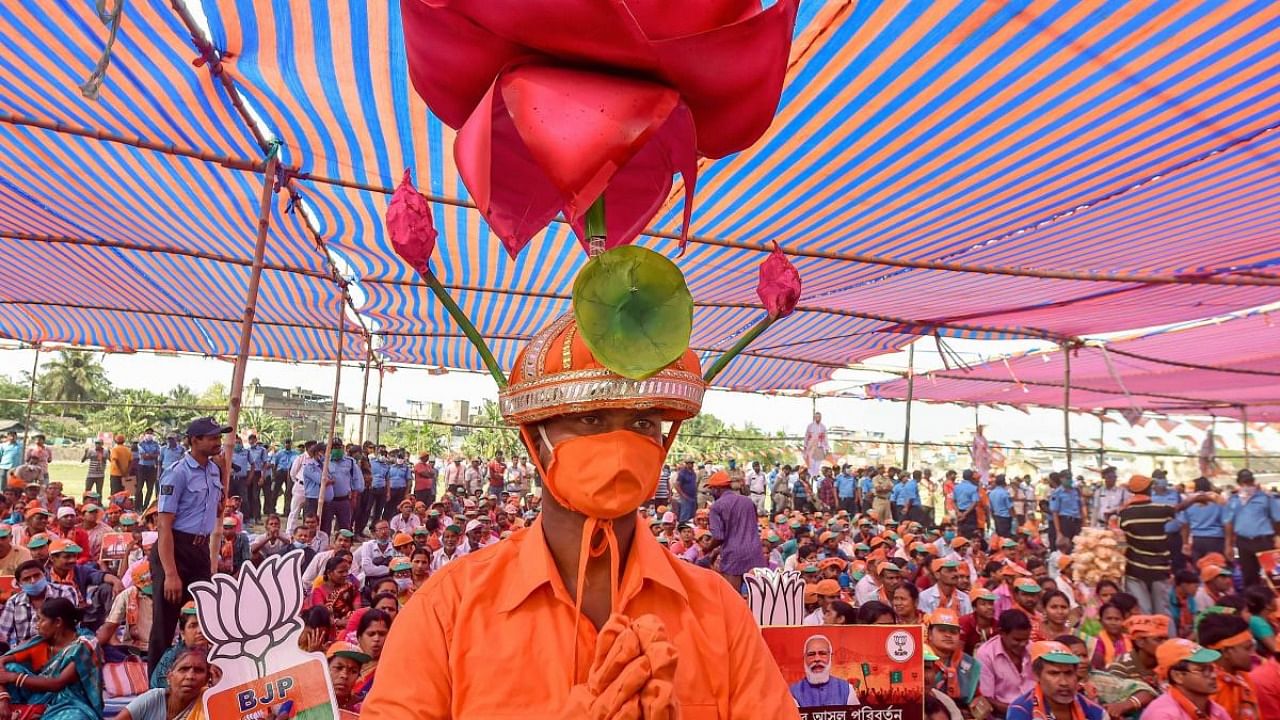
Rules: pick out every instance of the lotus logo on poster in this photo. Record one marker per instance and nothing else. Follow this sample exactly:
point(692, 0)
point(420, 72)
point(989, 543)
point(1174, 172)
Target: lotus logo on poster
point(900, 646)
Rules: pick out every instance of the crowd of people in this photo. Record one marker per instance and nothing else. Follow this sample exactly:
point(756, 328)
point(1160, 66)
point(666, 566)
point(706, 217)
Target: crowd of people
point(986, 567)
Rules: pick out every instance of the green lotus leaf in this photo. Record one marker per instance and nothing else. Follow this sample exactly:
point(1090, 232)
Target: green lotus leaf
point(634, 311)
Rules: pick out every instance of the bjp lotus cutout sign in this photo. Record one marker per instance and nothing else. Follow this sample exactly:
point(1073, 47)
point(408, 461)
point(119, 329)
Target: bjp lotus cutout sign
point(253, 623)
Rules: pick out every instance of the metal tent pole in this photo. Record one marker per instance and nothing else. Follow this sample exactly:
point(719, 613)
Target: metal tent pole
point(364, 401)
point(911, 391)
point(333, 407)
point(31, 400)
point(1102, 440)
point(1244, 420)
point(1066, 404)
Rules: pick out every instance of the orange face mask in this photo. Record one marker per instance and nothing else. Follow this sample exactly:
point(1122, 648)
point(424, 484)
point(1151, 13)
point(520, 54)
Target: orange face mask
point(603, 476)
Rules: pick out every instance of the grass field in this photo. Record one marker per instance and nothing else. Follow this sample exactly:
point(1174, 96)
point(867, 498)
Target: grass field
point(71, 475)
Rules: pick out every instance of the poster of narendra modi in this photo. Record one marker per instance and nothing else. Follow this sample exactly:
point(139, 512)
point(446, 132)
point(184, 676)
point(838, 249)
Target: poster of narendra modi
point(852, 672)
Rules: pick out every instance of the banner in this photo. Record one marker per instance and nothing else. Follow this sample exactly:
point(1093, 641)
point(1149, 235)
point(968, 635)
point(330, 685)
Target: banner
point(852, 672)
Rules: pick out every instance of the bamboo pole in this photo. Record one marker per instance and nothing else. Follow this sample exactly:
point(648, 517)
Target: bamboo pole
point(227, 161)
point(911, 391)
point(31, 400)
point(235, 393)
point(1066, 404)
point(377, 418)
point(333, 408)
point(364, 401)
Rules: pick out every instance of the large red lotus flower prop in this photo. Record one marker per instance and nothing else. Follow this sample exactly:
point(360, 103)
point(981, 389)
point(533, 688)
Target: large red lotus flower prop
point(561, 102)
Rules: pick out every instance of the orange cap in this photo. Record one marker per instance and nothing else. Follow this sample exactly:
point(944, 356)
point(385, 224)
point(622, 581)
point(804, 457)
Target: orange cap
point(1147, 626)
point(1209, 572)
point(942, 616)
point(1212, 558)
point(827, 587)
point(1172, 652)
point(718, 479)
point(401, 539)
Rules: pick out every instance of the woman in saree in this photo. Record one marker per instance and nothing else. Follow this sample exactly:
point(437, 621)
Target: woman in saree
point(371, 633)
point(337, 592)
point(56, 669)
point(187, 679)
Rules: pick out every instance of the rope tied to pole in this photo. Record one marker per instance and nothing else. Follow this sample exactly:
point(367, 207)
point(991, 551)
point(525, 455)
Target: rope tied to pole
point(111, 18)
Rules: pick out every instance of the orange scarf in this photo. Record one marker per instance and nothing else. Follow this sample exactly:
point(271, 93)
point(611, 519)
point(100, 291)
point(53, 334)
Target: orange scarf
point(951, 675)
point(949, 603)
point(1186, 705)
point(1040, 708)
point(1236, 695)
point(1185, 621)
point(1109, 647)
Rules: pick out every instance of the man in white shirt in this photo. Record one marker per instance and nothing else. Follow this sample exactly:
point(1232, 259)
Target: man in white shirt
point(475, 477)
point(342, 541)
point(405, 522)
point(450, 547)
point(297, 494)
point(1110, 498)
point(454, 475)
point(373, 558)
point(756, 486)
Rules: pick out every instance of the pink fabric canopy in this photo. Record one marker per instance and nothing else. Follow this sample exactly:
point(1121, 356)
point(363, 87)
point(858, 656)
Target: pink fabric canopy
point(1230, 369)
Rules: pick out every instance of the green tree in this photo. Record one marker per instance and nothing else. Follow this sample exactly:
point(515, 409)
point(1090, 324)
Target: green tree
point(495, 437)
point(417, 437)
point(13, 399)
point(132, 410)
point(269, 428)
point(707, 437)
point(74, 375)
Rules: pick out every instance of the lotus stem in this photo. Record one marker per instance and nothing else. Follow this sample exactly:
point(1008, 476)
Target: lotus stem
point(746, 339)
point(468, 329)
point(594, 225)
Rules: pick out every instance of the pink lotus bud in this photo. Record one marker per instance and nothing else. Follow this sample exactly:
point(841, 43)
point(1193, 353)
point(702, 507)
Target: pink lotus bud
point(409, 223)
point(779, 287)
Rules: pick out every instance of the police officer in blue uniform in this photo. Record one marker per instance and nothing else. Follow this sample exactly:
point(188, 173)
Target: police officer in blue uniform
point(1251, 518)
point(967, 497)
point(256, 454)
point(1066, 506)
point(189, 497)
point(278, 465)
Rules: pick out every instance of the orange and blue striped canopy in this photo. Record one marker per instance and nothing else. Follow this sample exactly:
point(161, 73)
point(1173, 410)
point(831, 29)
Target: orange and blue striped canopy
point(1065, 138)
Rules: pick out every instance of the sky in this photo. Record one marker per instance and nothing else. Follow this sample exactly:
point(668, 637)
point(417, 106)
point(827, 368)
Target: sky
point(771, 413)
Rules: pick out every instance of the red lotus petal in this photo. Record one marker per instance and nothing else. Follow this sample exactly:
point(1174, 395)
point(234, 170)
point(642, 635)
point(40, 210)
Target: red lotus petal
point(413, 235)
point(509, 187)
point(641, 187)
point(452, 61)
point(779, 287)
point(731, 76)
point(581, 126)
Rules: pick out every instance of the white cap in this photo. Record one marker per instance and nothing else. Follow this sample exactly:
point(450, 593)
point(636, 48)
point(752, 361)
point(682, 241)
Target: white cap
point(669, 517)
point(66, 512)
point(474, 525)
point(510, 509)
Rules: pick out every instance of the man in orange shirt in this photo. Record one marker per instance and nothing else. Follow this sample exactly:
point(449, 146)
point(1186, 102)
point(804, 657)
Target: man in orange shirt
point(621, 623)
point(118, 461)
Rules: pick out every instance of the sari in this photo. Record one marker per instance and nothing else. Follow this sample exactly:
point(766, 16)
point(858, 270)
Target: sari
point(363, 684)
point(81, 700)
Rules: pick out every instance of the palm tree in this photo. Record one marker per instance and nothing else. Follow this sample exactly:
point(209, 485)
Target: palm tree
point(485, 442)
point(74, 375)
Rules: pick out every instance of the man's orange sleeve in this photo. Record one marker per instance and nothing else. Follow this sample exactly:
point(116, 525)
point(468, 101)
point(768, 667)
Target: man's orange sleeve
point(757, 688)
point(414, 680)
